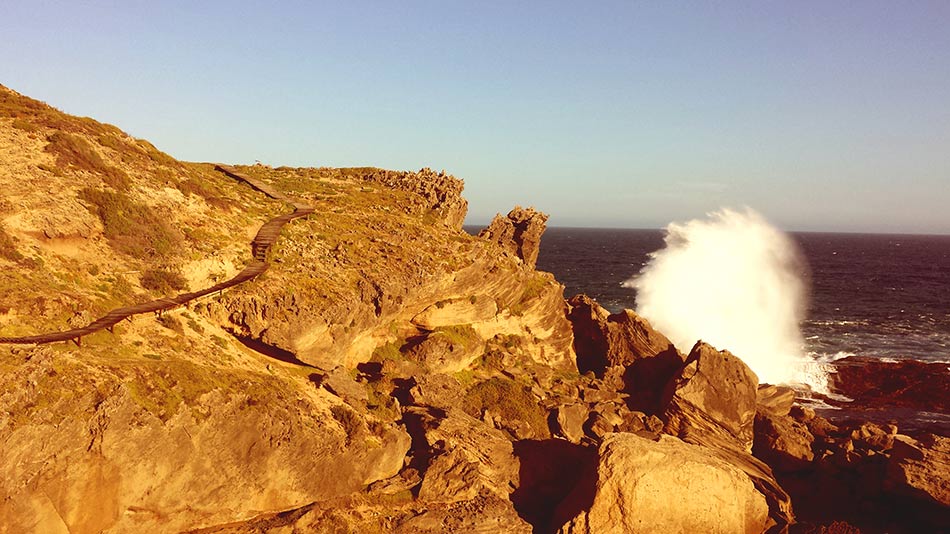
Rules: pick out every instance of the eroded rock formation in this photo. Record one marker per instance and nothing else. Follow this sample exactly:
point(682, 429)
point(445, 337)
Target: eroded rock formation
point(519, 233)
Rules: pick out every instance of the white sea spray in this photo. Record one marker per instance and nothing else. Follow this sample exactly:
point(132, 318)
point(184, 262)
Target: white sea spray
point(736, 282)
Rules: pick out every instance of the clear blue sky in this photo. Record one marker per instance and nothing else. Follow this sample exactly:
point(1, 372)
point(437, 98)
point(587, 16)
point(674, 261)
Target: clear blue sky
point(823, 115)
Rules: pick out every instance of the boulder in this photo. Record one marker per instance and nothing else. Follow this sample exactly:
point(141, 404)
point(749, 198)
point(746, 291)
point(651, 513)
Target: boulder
point(340, 382)
point(436, 390)
point(774, 400)
point(606, 341)
point(447, 350)
point(570, 421)
point(782, 442)
point(519, 233)
point(713, 400)
point(920, 469)
point(669, 486)
point(469, 458)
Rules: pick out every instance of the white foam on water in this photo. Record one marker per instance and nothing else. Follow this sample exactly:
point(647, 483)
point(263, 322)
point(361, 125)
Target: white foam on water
point(734, 281)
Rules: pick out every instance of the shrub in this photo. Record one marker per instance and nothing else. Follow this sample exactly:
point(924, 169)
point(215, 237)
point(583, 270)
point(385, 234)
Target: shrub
point(172, 323)
point(211, 195)
point(512, 401)
point(74, 151)
point(24, 125)
point(132, 228)
point(163, 281)
point(8, 247)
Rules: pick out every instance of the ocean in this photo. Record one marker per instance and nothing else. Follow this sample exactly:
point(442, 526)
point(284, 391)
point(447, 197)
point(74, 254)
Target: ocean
point(876, 296)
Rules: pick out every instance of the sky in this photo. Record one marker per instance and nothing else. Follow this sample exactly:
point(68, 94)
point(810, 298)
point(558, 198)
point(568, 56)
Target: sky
point(821, 115)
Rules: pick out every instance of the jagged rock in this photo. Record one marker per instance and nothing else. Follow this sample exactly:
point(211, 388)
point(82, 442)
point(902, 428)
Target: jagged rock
point(713, 400)
point(436, 390)
point(774, 400)
point(447, 351)
point(519, 233)
point(470, 458)
point(598, 426)
point(341, 383)
point(802, 414)
point(485, 514)
point(437, 192)
point(604, 342)
point(782, 442)
point(570, 421)
point(920, 469)
point(668, 486)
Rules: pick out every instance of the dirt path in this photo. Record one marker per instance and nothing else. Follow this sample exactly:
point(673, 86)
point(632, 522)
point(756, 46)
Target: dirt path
point(260, 245)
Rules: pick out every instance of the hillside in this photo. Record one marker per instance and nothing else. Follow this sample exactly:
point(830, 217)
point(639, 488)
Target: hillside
point(201, 403)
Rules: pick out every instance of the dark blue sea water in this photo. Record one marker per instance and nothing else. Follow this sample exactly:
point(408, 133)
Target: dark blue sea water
point(880, 296)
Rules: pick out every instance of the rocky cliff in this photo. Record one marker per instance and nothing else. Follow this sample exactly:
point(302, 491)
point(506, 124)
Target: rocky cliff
point(383, 371)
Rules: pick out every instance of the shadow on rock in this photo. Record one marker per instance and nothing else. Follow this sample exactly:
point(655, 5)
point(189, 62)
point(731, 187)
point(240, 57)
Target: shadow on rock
point(557, 481)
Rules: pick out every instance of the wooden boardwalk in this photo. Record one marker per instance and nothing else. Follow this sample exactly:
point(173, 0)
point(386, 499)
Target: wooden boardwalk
point(260, 246)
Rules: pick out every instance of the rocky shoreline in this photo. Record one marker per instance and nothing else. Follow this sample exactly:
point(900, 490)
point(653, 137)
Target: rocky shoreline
point(391, 373)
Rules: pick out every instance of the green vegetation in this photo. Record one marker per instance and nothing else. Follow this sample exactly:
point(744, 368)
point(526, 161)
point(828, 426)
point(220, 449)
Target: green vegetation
point(462, 335)
point(510, 400)
point(8, 247)
point(72, 151)
point(533, 288)
point(163, 281)
point(132, 228)
point(172, 323)
point(389, 351)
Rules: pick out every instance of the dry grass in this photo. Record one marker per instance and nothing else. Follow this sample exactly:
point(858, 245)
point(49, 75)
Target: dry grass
point(163, 281)
point(74, 152)
point(132, 228)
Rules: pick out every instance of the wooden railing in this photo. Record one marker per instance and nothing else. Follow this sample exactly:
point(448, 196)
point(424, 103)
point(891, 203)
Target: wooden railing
point(261, 244)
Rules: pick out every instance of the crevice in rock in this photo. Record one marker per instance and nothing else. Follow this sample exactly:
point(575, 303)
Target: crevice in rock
point(271, 351)
point(557, 480)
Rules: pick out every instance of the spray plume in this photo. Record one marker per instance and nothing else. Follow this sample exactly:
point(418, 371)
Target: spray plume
point(734, 281)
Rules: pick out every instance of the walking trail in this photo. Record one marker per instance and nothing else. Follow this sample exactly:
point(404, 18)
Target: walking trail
point(265, 238)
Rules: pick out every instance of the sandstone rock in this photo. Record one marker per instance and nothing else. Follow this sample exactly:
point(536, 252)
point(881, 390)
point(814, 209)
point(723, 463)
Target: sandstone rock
point(447, 350)
point(519, 233)
point(603, 341)
point(457, 311)
point(774, 400)
point(782, 442)
point(921, 470)
point(469, 458)
point(668, 486)
point(439, 192)
point(597, 426)
point(341, 383)
point(570, 420)
point(436, 390)
point(713, 400)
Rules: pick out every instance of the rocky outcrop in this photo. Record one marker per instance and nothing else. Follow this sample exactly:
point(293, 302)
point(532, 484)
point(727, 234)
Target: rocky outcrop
point(437, 192)
point(782, 442)
point(468, 458)
point(518, 233)
point(603, 341)
point(713, 400)
point(920, 470)
point(666, 485)
point(169, 447)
